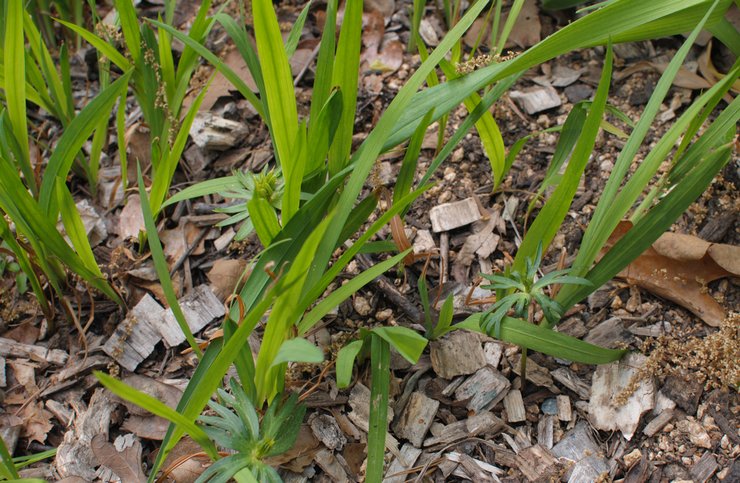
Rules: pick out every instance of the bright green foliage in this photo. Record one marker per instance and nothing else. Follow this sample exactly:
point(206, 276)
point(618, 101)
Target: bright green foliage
point(521, 290)
point(239, 429)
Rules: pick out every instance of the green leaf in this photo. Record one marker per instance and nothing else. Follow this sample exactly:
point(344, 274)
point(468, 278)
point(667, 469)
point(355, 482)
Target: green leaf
point(160, 265)
point(264, 218)
point(445, 317)
point(408, 343)
point(380, 356)
point(295, 32)
point(345, 361)
point(130, 26)
point(75, 229)
point(158, 408)
point(101, 45)
point(298, 350)
point(405, 178)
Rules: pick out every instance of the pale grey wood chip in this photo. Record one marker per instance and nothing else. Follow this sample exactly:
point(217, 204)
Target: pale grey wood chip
point(545, 428)
point(514, 405)
point(3, 379)
point(326, 430)
point(9, 347)
point(457, 353)
point(484, 389)
point(416, 418)
point(400, 464)
point(493, 351)
point(537, 99)
point(609, 333)
point(536, 374)
point(448, 216)
point(326, 460)
point(424, 243)
point(565, 412)
point(474, 469)
point(579, 446)
point(137, 334)
point(200, 307)
point(570, 379)
point(216, 133)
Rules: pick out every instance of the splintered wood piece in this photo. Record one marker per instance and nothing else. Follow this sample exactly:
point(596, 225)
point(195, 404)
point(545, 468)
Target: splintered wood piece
point(449, 216)
point(135, 337)
point(537, 100)
point(564, 410)
point(416, 418)
point(326, 460)
point(514, 405)
point(473, 467)
point(579, 446)
point(9, 347)
point(704, 468)
point(3, 378)
point(545, 428)
point(359, 401)
point(536, 374)
point(75, 456)
point(657, 423)
point(216, 133)
point(396, 472)
point(457, 353)
point(611, 381)
point(424, 243)
point(482, 423)
point(569, 379)
point(326, 430)
point(199, 307)
point(609, 333)
point(537, 463)
point(483, 389)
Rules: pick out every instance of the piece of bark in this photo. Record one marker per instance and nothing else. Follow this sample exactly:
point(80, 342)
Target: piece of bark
point(492, 351)
point(704, 468)
point(482, 423)
point(536, 374)
point(612, 381)
point(448, 216)
point(514, 405)
point(685, 391)
point(537, 99)
point(326, 460)
point(359, 401)
point(545, 428)
point(9, 347)
point(482, 235)
point(3, 378)
point(424, 243)
point(570, 379)
point(564, 410)
point(60, 411)
point(74, 455)
point(416, 418)
point(609, 333)
point(199, 307)
point(657, 423)
point(457, 353)
point(326, 430)
point(135, 337)
point(216, 133)
point(396, 472)
point(579, 446)
point(483, 389)
point(474, 469)
point(640, 472)
point(537, 463)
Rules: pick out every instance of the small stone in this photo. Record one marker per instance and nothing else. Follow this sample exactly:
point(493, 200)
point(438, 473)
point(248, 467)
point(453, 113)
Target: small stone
point(384, 314)
point(361, 306)
point(537, 99)
point(549, 406)
point(578, 92)
point(632, 457)
point(696, 432)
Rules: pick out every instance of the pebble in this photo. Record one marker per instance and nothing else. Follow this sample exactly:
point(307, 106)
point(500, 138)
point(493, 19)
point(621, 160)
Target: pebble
point(361, 306)
point(550, 406)
point(384, 314)
point(632, 458)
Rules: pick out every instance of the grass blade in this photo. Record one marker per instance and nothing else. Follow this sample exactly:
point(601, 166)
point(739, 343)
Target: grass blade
point(380, 356)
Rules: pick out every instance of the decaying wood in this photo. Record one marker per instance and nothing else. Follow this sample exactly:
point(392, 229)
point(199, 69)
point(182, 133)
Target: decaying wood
point(135, 337)
point(564, 410)
point(326, 460)
point(396, 472)
point(545, 428)
point(474, 469)
point(326, 430)
point(359, 401)
point(536, 374)
point(537, 463)
point(514, 405)
point(537, 99)
point(704, 468)
point(11, 348)
point(457, 353)
point(579, 447)
point(478, 424)
point(657, 423)
point(483, 389)
point(416, 418)
point(569, 379)
point(199, 307)
point(449, 216)
point(74, 455)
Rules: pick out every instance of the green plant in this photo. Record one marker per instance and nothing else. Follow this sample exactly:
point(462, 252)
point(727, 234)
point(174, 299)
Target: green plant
point(241, 430)
point(9, 466)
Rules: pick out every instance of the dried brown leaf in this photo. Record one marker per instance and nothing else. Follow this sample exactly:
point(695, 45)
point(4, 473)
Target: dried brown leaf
point(126, 464)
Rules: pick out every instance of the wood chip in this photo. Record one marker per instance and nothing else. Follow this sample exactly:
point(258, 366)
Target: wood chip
point(135, 337)
point(570, 379)
point(457, 353)
point(610, 382)
point(564, 409)
point(484, 389)
point(397, 471)
point(704, 468)
point(326, 460)
point(326, 430)
point(579, 446)
point(449, 216)
point(200, 307)
point(216, 133)
point(424, 243)
point(537, 99)
point(609, 333)
point(536, 374)
point(473, 468)
point(657, 423)
point(482, 423)
point(537, 463)
point(416, 418)
point(359, 401)
point(545, 427)
point(9, 347)
point(514, 405)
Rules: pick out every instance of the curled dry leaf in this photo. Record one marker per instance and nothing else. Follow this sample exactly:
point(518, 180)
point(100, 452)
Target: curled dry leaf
point(225, 275)
point(678, 268)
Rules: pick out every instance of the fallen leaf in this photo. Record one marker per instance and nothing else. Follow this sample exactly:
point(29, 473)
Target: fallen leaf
point(146, 427)
point(182, 465)
point(131, 220)
point(684, 77)
point(678, 268)
point(124, 462)
point(389, 59)
point(36, 422)
point(220, 86)
point(169, 395)
point(225, 275)
point(526, 31)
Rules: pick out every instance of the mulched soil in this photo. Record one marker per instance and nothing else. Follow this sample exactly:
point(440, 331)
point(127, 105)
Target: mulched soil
point(437, 428)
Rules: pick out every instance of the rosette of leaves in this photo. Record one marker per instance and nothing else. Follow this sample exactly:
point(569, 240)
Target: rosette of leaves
point(520, 290)
point(237, 427)
point(265, 187)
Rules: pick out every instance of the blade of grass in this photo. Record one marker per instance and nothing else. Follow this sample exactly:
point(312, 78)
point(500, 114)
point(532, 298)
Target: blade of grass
point(380, 356)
